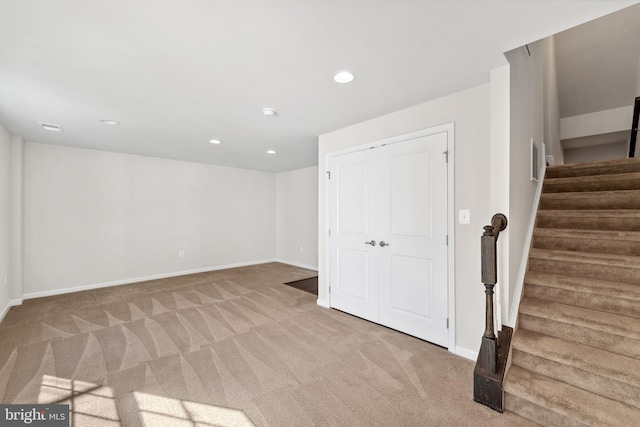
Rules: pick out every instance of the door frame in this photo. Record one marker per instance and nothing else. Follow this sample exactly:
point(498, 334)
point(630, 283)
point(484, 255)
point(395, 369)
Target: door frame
point(449, 129)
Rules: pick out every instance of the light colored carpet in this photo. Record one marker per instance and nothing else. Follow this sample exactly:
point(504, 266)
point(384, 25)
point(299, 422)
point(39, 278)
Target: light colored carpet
point(228, 348)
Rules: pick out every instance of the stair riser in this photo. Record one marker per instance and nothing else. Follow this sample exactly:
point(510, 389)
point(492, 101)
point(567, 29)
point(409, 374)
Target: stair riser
point(622, 201)
point(592, 223)
point(602, 246)
point(603, 386)
point(594, 170)
point(627, 346)
point(537, 414)
point(593, 271)
point(592, 301)
point(570, 187)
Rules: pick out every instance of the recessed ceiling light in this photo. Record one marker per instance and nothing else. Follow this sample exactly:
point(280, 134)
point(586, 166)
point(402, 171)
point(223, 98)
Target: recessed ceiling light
point(110, 122)
point(271, 152)
point(269, 112)
point(51, 126)
point(215, 141)
point(344, 77)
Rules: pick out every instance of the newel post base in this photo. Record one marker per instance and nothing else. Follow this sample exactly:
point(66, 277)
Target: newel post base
point(487, 385)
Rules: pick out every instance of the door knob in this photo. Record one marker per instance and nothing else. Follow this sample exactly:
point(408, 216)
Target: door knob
point(383, 244)
point(372, 243)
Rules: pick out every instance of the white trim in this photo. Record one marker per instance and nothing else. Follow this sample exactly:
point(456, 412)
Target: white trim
point(10, 304)
point(296, 264)
point(323, 303)
point(141, 279)
point(449, 128)
point(466, 353)
point(517, 294)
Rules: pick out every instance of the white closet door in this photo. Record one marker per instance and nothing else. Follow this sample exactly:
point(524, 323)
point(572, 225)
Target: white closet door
point(354, 270)
point(413, 226)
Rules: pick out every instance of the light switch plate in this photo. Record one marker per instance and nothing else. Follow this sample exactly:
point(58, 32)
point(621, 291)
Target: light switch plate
point(464, 216)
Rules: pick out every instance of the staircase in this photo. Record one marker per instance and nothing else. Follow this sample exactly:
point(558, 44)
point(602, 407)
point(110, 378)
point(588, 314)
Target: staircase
point(576, 354)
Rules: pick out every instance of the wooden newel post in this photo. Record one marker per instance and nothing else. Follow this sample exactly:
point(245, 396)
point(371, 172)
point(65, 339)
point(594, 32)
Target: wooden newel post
point(489, 347)
point(488, 374)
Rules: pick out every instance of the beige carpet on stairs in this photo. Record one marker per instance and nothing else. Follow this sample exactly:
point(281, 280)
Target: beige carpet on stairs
point(576, 352)
point(228, 348)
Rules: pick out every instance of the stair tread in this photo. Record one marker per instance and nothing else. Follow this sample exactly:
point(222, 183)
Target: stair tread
point(596, 163)
point(590, 194)
point(588, 213)
point(567, 400)
point(619, 181)
point(612, 323)
point(598, 361)
point(588, 234)
point(586, 257)
point(584, 284)
point(593, 178)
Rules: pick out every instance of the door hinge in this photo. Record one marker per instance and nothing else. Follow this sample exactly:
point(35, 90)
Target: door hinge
point(329, 232)
point(330, 292)
point(447, 240)
point(329, 174)
point(447, 323)
point(446, 156)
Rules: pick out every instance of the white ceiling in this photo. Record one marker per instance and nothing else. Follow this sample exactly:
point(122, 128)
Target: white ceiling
point(178, 73)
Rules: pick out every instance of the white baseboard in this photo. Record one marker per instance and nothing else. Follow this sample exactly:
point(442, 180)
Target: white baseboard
point(297, 264)
point(140, 279)
point(466, 353)
point(10, 304)
point(323, 303)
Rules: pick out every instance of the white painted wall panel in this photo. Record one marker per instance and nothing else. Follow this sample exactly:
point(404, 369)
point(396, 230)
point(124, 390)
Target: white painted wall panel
point(297, 217)
point(95, 217)
point(5, 215)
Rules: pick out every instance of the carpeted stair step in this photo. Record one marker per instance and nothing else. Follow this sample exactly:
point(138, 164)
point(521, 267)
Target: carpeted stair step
point(581, 200)
point(609, 331)
point(618, 166)
point(553, 403)
point(614, 297)
point(623, 220)
point(594, 241)
point(617, 268)
point(620, 181)
point(598, 371)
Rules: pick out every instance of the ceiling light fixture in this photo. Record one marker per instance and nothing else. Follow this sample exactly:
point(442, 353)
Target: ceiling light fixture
point(110, 122)
point(271, 152)
point(51, 127)
point(269, 112)
point(215, 141)
point(343, 77)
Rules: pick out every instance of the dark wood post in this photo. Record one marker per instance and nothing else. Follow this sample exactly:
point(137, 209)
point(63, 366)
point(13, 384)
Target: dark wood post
point(489, 371)
point(488, 349)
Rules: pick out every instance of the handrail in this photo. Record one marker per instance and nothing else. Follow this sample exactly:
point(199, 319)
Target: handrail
point(634, 127)
point(488, 356)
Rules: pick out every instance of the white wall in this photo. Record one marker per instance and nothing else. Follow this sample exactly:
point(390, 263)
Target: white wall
point(469, 110)
point(618, 150)
point(93, 218)
point(600, 122)
point(551, 101)
point(5, 218)
point(499, 184)
point(297, 217)
point(527, 122)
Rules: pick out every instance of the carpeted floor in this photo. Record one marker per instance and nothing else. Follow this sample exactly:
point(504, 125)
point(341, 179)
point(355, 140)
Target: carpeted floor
point(228, 348)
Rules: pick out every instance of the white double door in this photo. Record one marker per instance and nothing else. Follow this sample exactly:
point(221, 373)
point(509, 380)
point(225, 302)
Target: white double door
point(388, 242)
